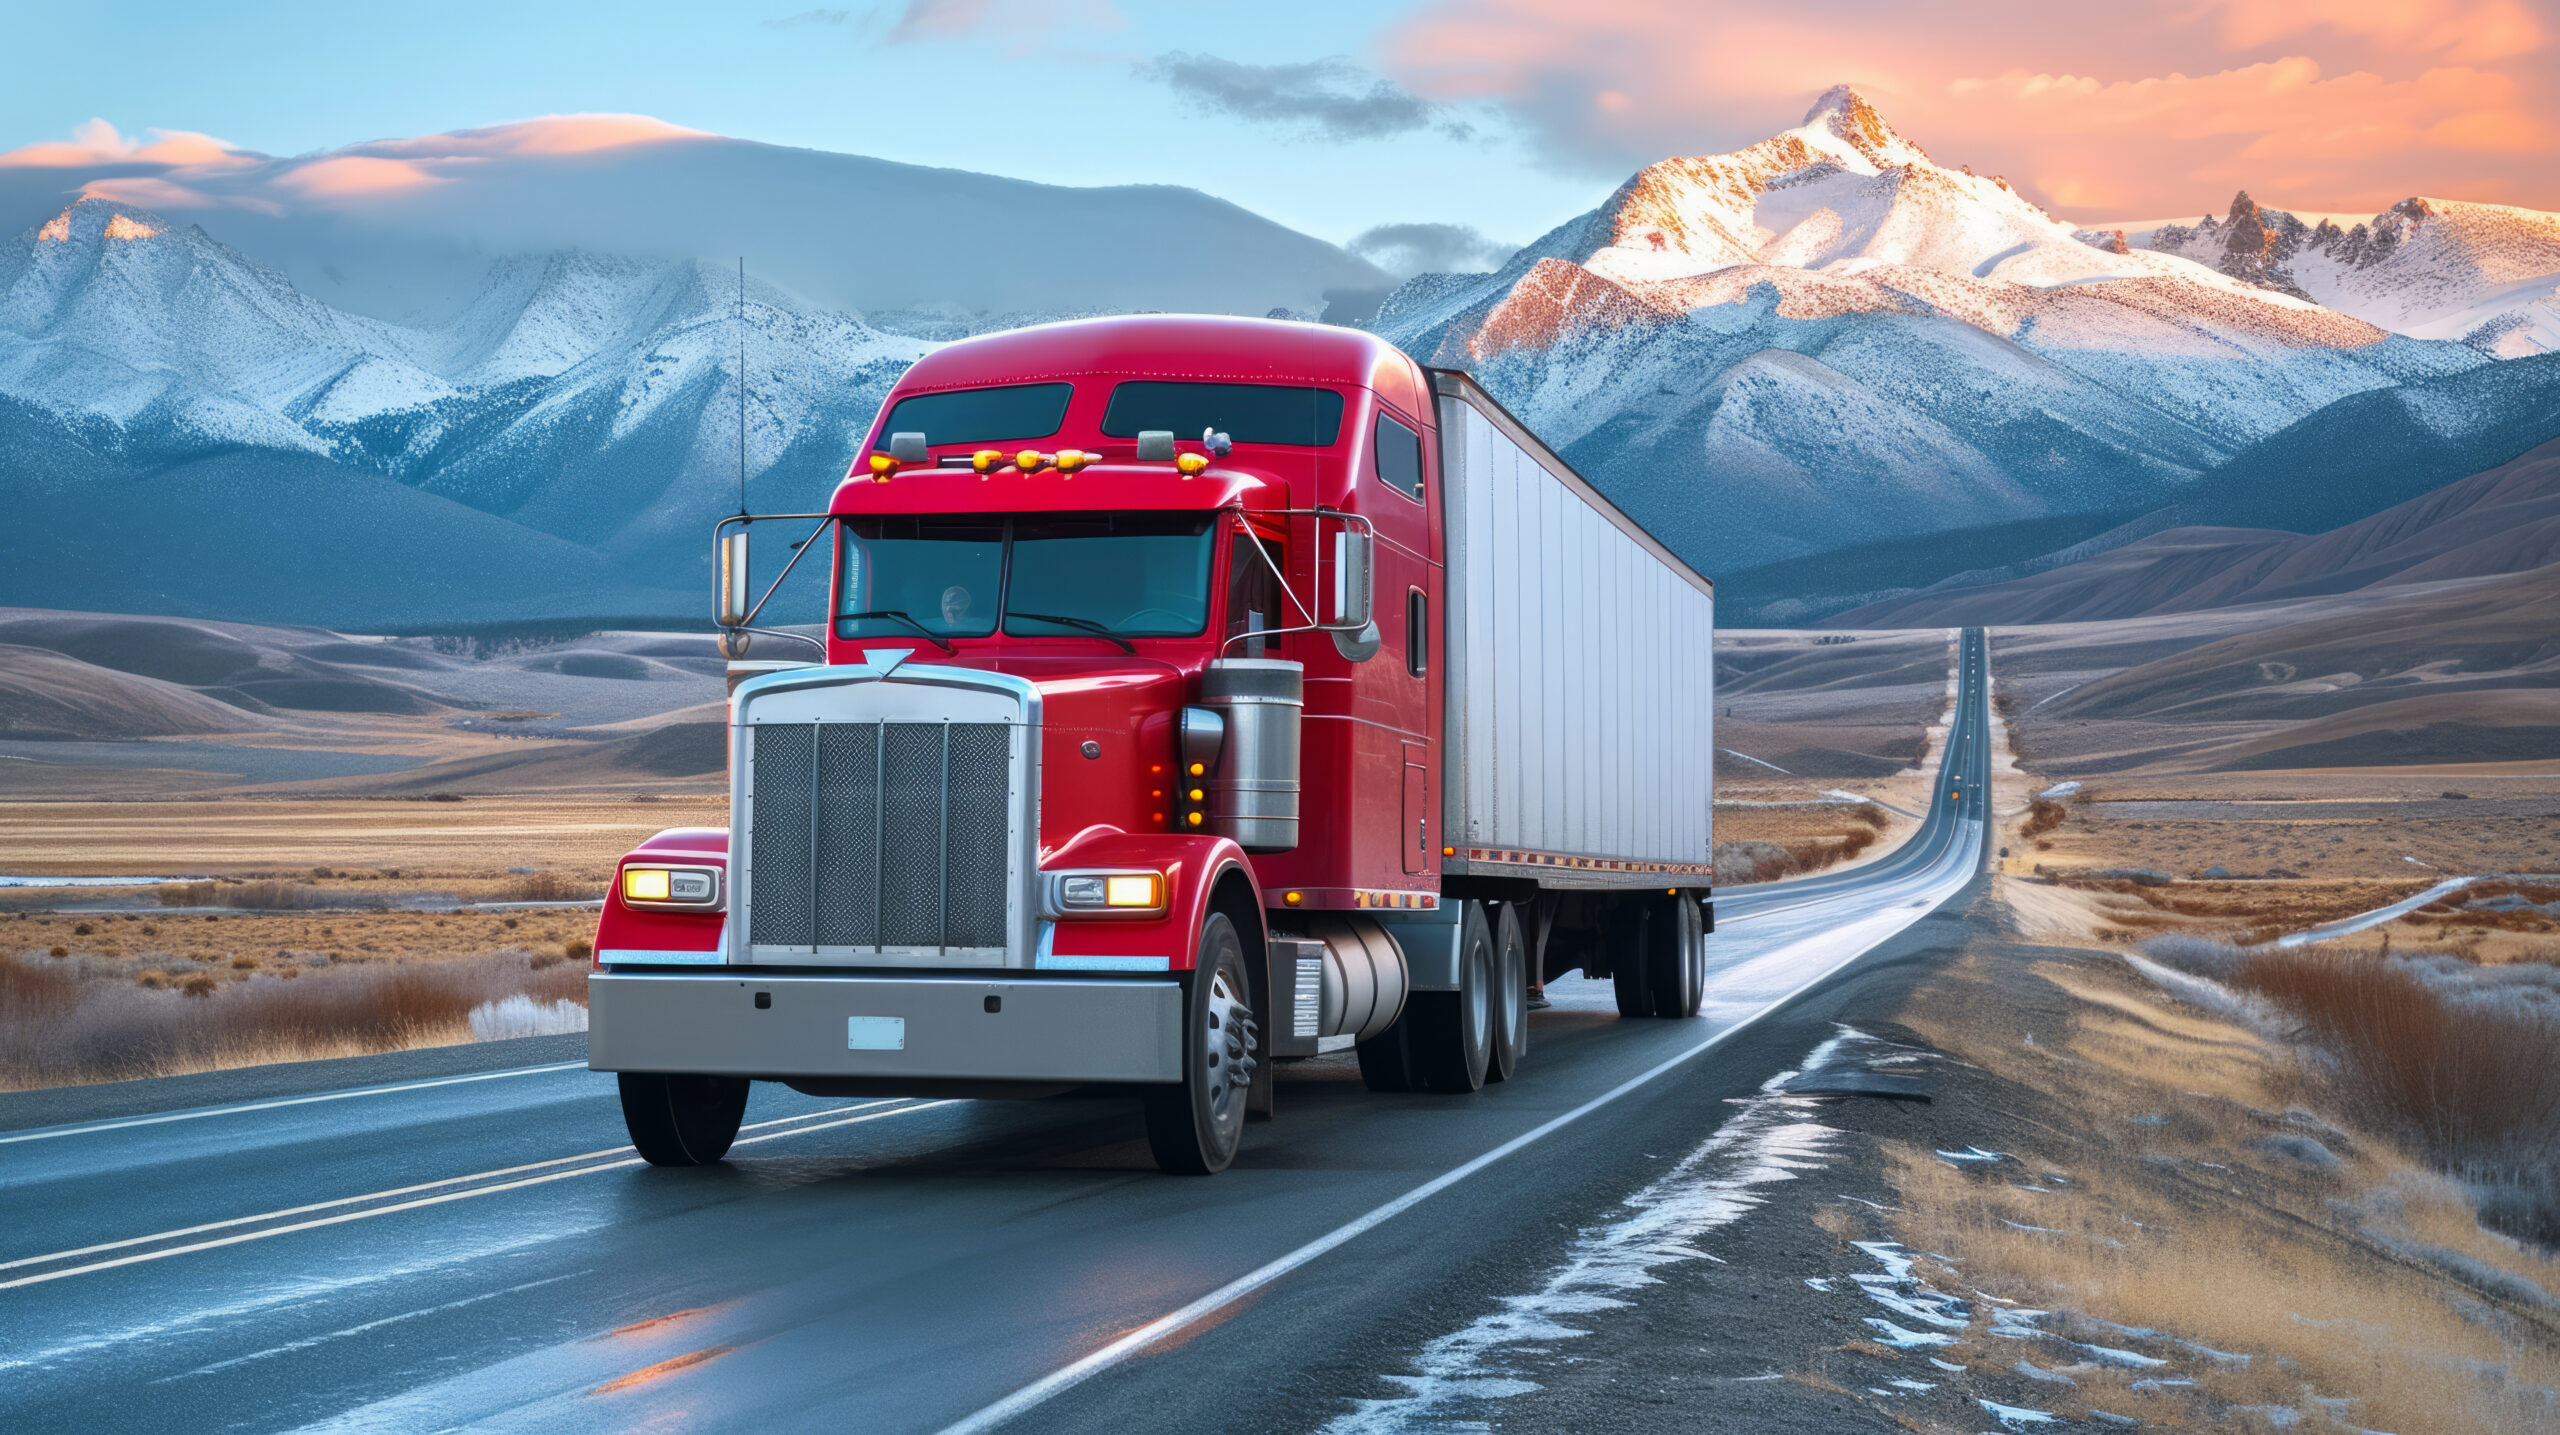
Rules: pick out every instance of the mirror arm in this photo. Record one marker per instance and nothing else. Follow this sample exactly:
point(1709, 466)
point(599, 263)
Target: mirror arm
point(798, 550)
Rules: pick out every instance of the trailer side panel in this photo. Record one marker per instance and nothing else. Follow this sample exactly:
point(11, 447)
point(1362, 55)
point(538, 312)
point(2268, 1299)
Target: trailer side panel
point(1579, 745)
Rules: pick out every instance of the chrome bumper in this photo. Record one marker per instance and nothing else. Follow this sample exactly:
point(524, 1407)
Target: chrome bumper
point(892, 1027)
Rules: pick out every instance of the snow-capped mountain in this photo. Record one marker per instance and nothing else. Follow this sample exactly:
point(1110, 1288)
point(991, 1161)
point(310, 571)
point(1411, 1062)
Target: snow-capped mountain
point(1828, 339)
point(588, 404)
point(2485, 274)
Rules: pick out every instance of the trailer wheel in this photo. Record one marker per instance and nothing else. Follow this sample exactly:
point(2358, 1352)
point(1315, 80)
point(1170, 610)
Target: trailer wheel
point(1676, 958)
point(1510, 995)
point(682, 1120)
point(1630, 935)
point(1194, 1126)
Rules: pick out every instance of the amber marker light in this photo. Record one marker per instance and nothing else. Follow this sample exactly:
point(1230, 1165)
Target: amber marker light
point(1193, 819)
point(1191, 465)
point(1448, 851)
point(882, 466)
point(986, 461)
point(1071, 459)
point(1029, 460)
point(645, 884)
point(1293, 898)
point(1198, 770)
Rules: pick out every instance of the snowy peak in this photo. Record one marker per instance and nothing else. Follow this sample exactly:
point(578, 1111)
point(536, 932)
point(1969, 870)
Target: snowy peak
point(1843, 192)
point(1843, 115)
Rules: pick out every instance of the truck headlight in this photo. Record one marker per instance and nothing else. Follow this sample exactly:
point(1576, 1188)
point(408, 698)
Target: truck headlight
point(695, 889)
point(1138, 893)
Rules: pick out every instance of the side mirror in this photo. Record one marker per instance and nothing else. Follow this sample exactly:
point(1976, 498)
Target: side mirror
point(735, 598)
point(908, 448)
point(1355, 580)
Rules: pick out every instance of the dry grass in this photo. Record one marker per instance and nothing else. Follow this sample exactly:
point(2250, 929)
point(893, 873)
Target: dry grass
point(2308, 1314)
point(352, 890)
point(2150, 1189)
point(2473, 1086)
point(67, 1022)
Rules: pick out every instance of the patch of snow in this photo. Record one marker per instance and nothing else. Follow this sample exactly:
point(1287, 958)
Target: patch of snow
point(2015, 1417)
point(520, 1015)
point(1763, 1143)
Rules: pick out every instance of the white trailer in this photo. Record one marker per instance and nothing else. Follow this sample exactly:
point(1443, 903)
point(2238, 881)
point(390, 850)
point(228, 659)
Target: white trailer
point(1577, 782)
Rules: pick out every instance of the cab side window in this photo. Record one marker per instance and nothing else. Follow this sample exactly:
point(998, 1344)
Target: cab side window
point(1253, 597)
point(1398, 452)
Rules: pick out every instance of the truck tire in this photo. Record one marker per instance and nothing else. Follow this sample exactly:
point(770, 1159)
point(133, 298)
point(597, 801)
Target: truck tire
point(1386, 1063)
point(678, 1120)
point(1195, 1125)
point(1449, 1045)
point(1675, 958)
point(1510, 995)
point(1629, 935)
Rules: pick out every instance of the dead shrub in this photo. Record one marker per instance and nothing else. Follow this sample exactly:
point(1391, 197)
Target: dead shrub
point(577, 949)
point(2043, 815)
point(563, 984)
point(2472, 1085)
point(261, 895)
point(58, 952)
point(545, 887)
point(202, 984)
point(36, 991)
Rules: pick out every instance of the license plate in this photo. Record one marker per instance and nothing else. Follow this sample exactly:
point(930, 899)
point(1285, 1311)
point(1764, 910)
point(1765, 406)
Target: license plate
point(875, 1033)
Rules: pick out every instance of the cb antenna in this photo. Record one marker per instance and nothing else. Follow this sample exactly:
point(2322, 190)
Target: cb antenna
point(742, 386)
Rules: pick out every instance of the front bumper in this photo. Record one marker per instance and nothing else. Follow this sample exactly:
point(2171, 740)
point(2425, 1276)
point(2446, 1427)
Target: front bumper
point(924, 1029)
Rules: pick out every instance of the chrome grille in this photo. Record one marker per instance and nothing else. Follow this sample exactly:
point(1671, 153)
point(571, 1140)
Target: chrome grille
point(885, 835)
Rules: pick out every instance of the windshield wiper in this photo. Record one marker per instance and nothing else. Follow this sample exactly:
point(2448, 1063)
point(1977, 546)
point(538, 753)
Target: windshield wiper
point(1087, 624)
point(928, 634)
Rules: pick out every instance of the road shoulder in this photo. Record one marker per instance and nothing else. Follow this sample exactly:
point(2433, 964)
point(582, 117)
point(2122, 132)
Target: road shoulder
point(114, 1100)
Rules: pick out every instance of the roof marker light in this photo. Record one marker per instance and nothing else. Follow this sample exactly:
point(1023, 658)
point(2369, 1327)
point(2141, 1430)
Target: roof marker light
point(1030, 460)
point(1071, 459)
point(882, 466)
point(1191, 465)
point(986, 460)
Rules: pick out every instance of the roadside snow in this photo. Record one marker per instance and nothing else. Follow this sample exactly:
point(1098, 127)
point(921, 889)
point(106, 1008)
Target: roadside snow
point(1765, 1142)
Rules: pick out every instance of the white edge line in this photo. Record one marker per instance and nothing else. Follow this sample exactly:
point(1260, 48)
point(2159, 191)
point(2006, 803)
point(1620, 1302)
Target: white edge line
point(47, 1133)
point(377, 1195)
point(1067, 1377)
point(346, 1216)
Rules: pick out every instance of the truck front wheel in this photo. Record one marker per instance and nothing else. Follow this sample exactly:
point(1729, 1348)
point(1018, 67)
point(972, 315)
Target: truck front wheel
point(1194, 1126)
point(682, 1120)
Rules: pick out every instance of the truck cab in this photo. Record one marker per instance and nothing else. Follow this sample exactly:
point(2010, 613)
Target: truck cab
point(1120, 764)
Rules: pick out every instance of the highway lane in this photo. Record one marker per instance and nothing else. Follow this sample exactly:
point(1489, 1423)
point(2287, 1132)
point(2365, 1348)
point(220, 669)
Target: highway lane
point(484, 1252)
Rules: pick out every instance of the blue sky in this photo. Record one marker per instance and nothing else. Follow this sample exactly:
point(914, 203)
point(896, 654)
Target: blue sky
point(1066, 91)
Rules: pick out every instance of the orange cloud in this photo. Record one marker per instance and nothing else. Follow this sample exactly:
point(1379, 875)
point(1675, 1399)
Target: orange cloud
point(349, 175)
point(550, 134)
point(2455, 29)
point(2325, 104)
point(97, 142)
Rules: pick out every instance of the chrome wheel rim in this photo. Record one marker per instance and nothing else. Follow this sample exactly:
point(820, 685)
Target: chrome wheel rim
point(1226, 1047)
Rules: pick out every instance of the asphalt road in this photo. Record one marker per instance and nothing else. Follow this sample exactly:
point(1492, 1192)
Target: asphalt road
point(480, 1249)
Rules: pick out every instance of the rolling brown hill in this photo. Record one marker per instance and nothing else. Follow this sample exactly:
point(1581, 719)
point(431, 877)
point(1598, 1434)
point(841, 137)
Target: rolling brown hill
point(2506, 520)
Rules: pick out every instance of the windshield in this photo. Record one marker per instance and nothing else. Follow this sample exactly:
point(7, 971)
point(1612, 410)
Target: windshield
point(1108, 575)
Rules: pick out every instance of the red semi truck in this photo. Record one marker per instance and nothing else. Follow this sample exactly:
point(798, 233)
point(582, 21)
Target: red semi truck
point(1198, 693)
